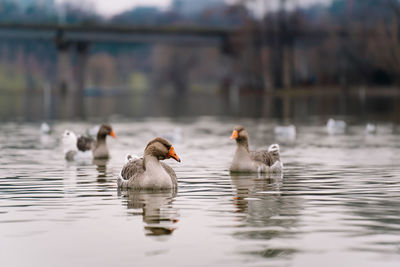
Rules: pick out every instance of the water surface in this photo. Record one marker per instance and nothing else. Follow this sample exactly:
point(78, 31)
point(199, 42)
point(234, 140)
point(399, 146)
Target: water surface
point(336, 204)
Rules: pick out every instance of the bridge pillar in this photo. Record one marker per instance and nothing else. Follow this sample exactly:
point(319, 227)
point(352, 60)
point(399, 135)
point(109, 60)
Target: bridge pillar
point(82, 54)
point(287, 66)
point(64, 68)
point(82, 49)
point(71, 78)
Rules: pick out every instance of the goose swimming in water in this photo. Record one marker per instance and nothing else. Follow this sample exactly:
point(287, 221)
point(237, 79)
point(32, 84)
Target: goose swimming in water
point(76, 147)
point(148, 173)
point(245, 160)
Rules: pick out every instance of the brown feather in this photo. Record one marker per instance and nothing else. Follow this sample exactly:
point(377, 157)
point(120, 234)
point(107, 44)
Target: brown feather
point(134, 168)
point(268, 158)
point(85, 143)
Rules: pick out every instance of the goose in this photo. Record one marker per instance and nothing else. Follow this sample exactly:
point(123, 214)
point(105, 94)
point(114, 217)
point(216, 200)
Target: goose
point(336, 126)
point(245, 160)
point(148, 173)
point(76, 147)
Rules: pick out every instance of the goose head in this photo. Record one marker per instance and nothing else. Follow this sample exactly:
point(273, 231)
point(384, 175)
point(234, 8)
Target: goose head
point(161, 149)
point(240, 135)
point(105, 130)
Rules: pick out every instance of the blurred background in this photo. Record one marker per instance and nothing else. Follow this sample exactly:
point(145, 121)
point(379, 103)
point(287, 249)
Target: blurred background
point(285, 59)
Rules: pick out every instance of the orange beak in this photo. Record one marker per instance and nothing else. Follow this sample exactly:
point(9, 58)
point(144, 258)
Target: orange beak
point(235, 134)
point(113, 134)
point(172, 154)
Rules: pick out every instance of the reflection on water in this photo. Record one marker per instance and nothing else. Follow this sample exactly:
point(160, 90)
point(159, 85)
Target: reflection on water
point(31, 106)
point(101, 169)
point(159, 216)
point(336, 204)
point(254, 187)
point(269, 215)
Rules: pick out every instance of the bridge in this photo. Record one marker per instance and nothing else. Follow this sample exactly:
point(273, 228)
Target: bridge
point(103, 33)
point(78, 38)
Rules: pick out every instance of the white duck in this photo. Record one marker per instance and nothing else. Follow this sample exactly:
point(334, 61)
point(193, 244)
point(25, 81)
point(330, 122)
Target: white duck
point(336, 126)
point(76, 147)
point(370, 129)
point(45, 128)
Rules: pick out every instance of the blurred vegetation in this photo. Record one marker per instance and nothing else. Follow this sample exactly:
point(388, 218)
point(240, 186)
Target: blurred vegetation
point(361, 48)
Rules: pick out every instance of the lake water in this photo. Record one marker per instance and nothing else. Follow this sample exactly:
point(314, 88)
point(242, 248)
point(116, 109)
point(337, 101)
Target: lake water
point(337, 203)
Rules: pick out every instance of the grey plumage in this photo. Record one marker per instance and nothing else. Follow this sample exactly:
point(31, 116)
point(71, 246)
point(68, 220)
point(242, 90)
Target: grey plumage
point(245, 160)
point(70, 155)
point(85, 143)
point(135, 168)
point(265, 157)
point(149, 173)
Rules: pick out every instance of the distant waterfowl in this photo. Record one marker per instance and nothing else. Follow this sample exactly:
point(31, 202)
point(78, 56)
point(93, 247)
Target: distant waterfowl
point(245, 160)
point(76, 147)
point(370, 129)
point(148, 173)
point(285, 132)
point(336, 126)
point(45, 128)
point(175, 136)
point(45, 134)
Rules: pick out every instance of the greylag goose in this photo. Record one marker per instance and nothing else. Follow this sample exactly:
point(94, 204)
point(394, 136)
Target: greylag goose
point(76, 147)
point(149, 173)
point(245, 160)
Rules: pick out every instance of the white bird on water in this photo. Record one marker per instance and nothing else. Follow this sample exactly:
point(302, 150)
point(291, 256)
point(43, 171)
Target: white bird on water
point(174, 136)
point(336, 126)
point(45, 128)
point(370, 129)
point(285, 132)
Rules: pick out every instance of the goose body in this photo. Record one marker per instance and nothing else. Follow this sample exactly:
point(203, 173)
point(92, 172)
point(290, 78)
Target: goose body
point(148, 173)
point(245, 160)
point(76, 147)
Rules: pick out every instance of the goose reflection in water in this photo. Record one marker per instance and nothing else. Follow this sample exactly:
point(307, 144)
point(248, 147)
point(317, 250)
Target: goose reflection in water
point(269, 215)
point(254, 187)
point(101, 167)
point(159, 216)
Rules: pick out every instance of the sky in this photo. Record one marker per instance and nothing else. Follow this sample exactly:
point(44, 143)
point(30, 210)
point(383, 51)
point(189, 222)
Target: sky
point(109, 8)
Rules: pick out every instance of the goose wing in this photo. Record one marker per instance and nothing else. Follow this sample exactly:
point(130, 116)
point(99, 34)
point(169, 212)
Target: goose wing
point(263, 156)
point(132, 168)
point(170, 172)
point(85, 143)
